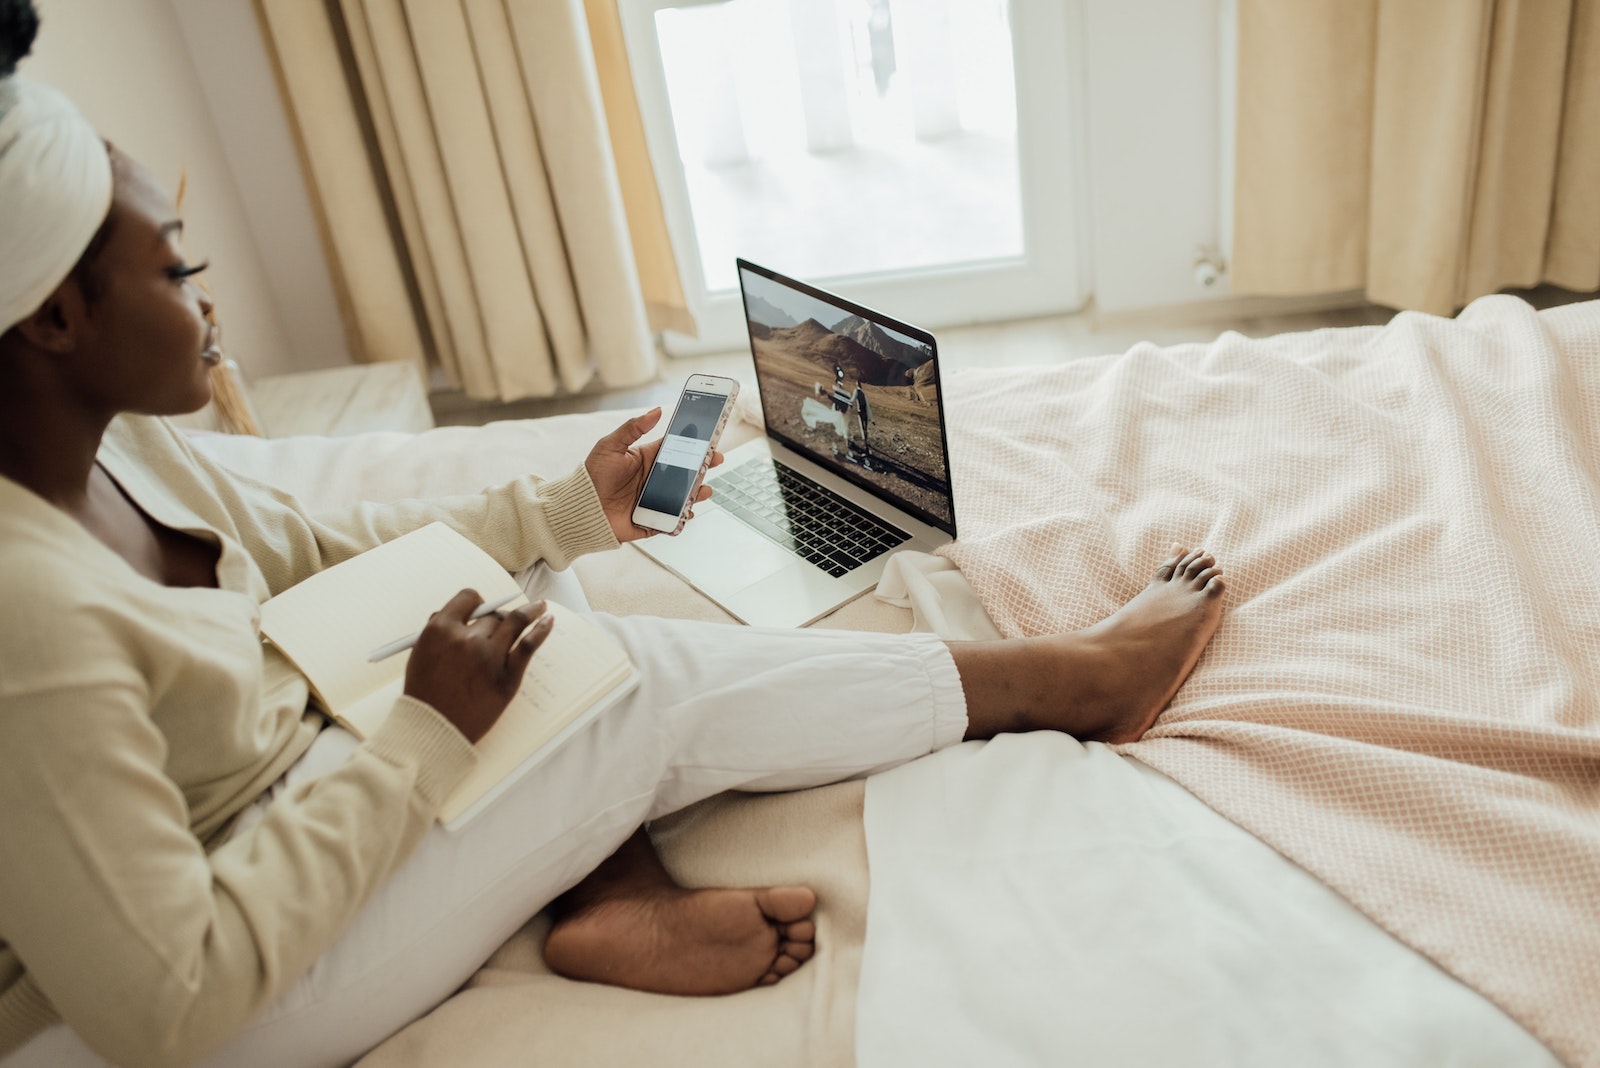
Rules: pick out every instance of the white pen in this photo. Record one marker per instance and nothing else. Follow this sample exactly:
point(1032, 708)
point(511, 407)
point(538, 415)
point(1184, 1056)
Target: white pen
point(400, 645)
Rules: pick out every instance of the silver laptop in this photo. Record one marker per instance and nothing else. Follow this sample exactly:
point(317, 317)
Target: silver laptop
point(854, 465)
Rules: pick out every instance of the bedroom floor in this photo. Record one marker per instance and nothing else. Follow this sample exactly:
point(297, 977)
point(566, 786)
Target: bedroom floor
point(1030, 341)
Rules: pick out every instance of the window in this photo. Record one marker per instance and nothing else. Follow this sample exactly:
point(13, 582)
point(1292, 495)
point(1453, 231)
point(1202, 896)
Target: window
point(917, 155)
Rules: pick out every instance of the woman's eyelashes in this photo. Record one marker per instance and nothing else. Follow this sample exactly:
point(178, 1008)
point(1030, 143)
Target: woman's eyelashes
point(179, 271)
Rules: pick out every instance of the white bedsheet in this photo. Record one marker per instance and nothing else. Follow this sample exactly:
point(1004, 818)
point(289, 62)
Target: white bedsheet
point(1036, 901)
point(1039, 901)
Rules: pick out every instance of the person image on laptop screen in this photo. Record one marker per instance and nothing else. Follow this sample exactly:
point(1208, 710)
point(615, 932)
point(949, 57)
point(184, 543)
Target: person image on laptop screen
point(833, 380)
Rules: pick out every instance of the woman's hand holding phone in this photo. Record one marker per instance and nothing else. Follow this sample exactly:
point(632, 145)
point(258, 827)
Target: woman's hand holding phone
point(618, 468)
point(685, 453)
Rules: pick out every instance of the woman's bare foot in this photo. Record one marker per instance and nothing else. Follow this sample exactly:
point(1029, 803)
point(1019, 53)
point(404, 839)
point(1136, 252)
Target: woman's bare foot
point(671, 940)
point(1107, 682)
point(629, 924)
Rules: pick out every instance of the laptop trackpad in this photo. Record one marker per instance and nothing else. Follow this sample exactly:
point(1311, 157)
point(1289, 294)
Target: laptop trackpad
point(721, 553)
point(792, 597)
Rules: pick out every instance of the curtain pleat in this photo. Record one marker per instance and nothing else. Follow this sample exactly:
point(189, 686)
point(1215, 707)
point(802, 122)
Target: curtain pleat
point(557, 68)
point(489, 151)
point(1572, 259)
point(411, 187)
point(1425, 123)
point(658, 265)
point(1299, 184)
point(1428, 151)
point(529, 187)
point(367, 268)
point(1521, 138)
point(455, 124)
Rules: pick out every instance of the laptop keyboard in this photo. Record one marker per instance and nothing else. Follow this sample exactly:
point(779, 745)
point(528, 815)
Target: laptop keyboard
point(809, 520)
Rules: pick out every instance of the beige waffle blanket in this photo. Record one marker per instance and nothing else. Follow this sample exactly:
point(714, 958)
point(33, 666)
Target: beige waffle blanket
point(1402, 696)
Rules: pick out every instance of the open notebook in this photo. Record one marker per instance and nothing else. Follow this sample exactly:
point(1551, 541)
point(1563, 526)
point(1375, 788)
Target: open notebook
point(328, 624)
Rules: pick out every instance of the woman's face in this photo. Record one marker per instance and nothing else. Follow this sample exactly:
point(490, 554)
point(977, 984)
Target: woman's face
point(145, 337)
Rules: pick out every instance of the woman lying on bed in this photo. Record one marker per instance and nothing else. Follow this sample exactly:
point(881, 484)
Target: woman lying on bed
point(194, 863)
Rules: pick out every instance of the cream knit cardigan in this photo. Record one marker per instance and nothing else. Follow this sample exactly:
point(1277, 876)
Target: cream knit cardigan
point(137, 720)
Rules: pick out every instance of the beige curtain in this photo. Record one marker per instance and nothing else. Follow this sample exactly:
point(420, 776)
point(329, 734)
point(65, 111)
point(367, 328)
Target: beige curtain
point(1426, 151)
point(484, 189)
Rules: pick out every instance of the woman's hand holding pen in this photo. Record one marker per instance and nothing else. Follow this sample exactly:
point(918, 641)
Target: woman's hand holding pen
point(469, 669)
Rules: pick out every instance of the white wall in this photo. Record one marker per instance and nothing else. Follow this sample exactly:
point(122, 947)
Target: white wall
point(241, 93)
point(128, 64)
point(1156, 147)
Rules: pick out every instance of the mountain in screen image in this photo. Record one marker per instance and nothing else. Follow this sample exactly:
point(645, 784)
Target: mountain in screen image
point(816, 344)
point(768, 314)
point(872, 336)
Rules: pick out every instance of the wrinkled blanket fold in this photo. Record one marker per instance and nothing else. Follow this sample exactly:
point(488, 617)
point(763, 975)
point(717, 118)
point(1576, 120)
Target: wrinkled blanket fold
point(1402, 696)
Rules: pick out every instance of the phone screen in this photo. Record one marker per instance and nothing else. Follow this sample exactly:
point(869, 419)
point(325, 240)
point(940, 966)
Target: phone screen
point(683, 450)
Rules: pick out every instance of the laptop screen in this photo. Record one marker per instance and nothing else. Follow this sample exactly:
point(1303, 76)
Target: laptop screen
point(852, 390)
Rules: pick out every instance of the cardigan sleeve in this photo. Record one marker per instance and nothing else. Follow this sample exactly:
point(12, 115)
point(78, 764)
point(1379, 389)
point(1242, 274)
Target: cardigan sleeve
point(153, 950)
point(519, 523)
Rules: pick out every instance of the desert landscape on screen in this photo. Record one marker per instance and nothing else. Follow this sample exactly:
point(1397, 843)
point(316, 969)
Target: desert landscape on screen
point(795, 359)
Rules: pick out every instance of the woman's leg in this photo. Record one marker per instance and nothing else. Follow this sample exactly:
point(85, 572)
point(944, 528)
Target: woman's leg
point(1105, 683)
point(718, 708)
point(629, 924)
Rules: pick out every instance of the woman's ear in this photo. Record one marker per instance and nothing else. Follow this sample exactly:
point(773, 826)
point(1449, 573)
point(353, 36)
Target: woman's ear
point(57, 325)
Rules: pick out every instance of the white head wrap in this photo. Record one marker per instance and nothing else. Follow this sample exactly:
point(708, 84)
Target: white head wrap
point(55, 191)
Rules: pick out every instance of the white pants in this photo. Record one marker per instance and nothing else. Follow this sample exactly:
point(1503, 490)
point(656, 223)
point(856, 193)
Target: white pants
point(718, 708)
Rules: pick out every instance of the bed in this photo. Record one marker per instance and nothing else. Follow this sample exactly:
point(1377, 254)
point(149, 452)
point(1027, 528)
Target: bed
point(1368, 829)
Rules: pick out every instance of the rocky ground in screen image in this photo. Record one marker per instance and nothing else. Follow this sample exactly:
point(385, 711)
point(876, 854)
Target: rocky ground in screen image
point(899, 382)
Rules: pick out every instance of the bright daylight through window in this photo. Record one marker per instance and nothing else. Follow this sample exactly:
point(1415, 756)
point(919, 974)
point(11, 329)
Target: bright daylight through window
point(845, 137)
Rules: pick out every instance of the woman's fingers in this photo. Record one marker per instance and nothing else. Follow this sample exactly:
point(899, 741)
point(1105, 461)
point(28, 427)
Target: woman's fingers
point(500, 630)
point(632, 430)
point(521, 653)
point(511, 625)
point(460, 607)
point(516, 622)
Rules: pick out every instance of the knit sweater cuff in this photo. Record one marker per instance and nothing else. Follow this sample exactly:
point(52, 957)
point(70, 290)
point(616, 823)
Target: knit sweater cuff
point(24, 1012)
point(577, 520)
point(415, 735)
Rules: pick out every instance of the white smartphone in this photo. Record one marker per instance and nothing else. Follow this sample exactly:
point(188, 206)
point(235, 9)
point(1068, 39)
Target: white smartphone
point(692, 432)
